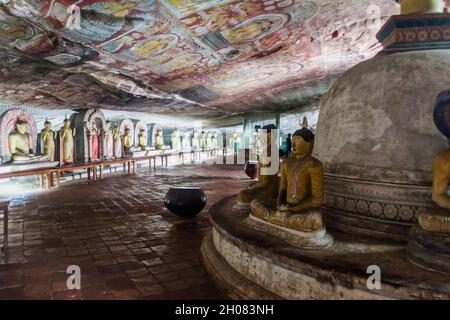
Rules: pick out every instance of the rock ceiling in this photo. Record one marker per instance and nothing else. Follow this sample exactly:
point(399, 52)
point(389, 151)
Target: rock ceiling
point(199, 58)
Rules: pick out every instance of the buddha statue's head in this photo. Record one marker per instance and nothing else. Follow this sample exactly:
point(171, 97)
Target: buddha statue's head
point(302, 142)
point(21, 127)
point(66, 123)
point(159, 132)
point(47, 125)
point(108, 125)
point(142, 132)
point(127, 131)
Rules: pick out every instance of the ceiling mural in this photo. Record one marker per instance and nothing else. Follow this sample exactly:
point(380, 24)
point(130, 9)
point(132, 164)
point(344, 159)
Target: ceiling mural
point(204, 57)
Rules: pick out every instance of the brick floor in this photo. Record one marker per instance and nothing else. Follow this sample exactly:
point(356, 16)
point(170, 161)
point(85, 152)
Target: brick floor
point(117, 230)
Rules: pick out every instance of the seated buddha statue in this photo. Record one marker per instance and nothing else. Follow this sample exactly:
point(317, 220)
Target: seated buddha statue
point(301, 190)
point(265, 188)
point(437, 219)
point(142, 140)
point(159, 140)
point(21, 145)
point(127, 140)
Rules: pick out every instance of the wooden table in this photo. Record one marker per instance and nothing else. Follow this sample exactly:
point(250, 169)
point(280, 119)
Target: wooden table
point(90, 167)
point(130, 162)
point(42, 173)
point(149, 159)
point(4, 206)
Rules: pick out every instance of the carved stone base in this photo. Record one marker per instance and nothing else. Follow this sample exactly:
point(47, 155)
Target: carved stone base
point(429, 250)
point(305, 240)
point(241, 207)
point(250, 264)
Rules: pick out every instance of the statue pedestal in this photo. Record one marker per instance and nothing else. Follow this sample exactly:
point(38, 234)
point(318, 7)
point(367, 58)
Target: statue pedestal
point(250, 264)
point(140, 153)
point(305, 240)
point(15, 167)
point(429, 250)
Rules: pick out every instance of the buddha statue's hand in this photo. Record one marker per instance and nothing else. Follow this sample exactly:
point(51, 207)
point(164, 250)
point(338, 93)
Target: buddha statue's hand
point(284, 208)
point(252, 185)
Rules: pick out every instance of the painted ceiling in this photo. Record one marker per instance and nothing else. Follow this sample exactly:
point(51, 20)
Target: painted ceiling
point(197, 58)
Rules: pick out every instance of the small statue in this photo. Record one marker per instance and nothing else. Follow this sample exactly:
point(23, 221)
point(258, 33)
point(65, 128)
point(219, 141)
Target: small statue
point(108, 141)
point(142, 140)
point(159, 140)
point(266, 188)
point(48, 137)
point(235, 142)
point(117, 143)
point(195, 140)
point(301, 191)
point(21, 145)
point(67, 135)
point(214, 140)
point(203, 144)
point(186, 143)
point(209, 140)
point(94, 135)
point(127, 140)
point(175, 139)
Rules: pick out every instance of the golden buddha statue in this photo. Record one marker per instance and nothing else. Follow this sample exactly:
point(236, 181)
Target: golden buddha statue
point(266, 188)
point(175, 140)
point(159, 140)
point(21, 145)
point(127, 140)
point(48, 136)
point(67, 135)
point(142, 139)
point(421, 6)
point(301, 190)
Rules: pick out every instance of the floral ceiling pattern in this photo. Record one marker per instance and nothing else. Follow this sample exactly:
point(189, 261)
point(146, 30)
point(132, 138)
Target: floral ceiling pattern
point(204, 58)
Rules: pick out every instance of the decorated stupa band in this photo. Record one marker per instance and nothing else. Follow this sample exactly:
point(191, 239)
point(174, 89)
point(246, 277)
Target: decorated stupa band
point(297, 215)
point(265, 188)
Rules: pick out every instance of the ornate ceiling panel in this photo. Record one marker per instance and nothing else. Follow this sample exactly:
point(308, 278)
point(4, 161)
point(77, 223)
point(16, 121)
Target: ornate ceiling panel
point(206, 58)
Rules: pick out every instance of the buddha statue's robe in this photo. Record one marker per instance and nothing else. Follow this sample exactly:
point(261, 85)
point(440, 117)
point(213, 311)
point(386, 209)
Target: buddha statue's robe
point(47, 137)
point(21, 148)
point(301, 195)
point(437, 219)
point(67, 134)
point(95, 145)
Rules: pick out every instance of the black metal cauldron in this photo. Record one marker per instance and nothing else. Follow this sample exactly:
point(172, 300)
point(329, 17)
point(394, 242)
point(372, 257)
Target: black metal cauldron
point(185, 202)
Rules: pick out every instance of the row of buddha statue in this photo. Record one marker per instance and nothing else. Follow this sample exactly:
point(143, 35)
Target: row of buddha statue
point(104, 140)
point(198, 140)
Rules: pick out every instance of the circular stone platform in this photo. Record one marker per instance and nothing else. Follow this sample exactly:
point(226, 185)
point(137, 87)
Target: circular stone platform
point(249, 264)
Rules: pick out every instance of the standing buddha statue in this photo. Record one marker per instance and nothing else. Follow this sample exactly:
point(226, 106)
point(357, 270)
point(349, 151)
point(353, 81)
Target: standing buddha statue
point(117, 143)
point(266, 188)
point(67, 135)
point(48, 136)
point(108, 141)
